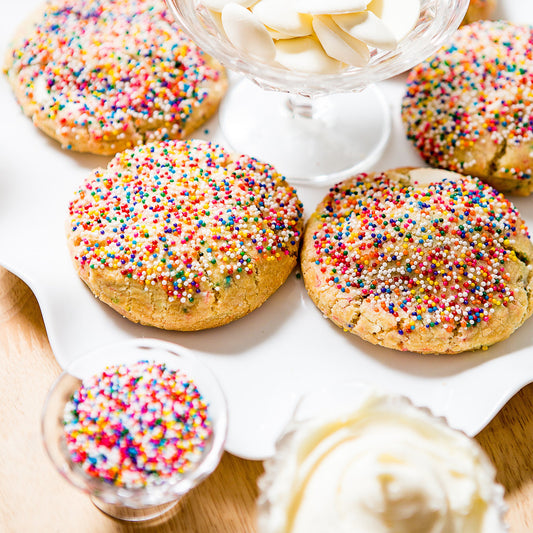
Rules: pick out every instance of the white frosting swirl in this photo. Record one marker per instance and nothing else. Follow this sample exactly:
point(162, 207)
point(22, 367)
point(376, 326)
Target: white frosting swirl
point(387, 467)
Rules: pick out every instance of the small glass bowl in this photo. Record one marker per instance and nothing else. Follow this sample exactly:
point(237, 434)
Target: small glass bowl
point(312, 140)
point(327, 418)
point(438, 20)
point(143, 503)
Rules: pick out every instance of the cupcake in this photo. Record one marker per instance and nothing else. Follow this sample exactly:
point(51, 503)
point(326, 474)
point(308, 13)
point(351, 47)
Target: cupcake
point(372, 462)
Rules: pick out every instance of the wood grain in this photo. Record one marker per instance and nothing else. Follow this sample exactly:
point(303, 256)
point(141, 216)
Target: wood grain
point(35, 498)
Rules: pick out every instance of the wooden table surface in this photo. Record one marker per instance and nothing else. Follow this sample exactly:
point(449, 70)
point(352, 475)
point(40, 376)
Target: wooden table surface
point(34, 498)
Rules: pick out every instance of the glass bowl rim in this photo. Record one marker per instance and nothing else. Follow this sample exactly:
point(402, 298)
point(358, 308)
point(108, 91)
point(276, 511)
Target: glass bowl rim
point(384, 65)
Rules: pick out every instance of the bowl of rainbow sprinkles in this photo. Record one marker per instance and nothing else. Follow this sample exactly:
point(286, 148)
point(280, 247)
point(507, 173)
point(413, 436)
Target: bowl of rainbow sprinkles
point(136, 425)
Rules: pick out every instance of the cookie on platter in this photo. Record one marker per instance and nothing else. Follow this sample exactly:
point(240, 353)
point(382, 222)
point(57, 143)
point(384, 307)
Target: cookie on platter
point(424, 260)
point(183, 235)
point(101, 76)
point(468, 107)
point(480, 10)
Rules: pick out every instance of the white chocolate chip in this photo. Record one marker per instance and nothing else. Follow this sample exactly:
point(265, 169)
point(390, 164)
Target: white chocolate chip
point(368, 28)
point(329, 7)
point(338, 44)
point(247, 33)
point(217, 19)
point(305, 54)
point(399, 17)
point(281, 15)
point(219, 5)
point(338, 30)
point(277, 34)
point(423, 177)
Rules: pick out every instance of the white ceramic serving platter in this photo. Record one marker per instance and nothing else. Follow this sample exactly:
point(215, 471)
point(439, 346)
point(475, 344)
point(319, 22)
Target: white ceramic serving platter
point(266, 360)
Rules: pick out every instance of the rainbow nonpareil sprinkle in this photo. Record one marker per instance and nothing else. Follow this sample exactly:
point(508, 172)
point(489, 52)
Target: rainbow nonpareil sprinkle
point(137, 425)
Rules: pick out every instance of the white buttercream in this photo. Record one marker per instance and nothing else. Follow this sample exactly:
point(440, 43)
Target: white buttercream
point(386, 467)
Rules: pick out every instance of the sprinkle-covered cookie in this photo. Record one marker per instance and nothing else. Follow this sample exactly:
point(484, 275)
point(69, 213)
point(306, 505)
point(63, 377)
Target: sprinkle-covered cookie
point(479, 10)
point(424, 260)
point(137, 425)
point(104, 75)
point(468, 108)
point(184, 235)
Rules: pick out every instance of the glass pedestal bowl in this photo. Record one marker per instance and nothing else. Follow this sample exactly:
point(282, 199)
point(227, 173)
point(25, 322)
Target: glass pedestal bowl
point(329, 126)
point(120, 501)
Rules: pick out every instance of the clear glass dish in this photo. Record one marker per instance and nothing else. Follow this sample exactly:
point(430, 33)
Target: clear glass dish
point(143, 503)
point(331, 125)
